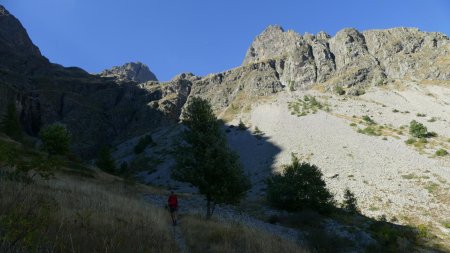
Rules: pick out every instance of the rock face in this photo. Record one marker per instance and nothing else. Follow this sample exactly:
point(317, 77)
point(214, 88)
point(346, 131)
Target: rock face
point(352, 58)
point(132, 71)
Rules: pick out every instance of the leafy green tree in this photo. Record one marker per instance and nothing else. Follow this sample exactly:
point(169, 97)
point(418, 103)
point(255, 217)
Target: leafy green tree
point(10, 124)
point(350, 203)
point(105, 161)
point(418, 130)
point(204, 159)
point(55, 139)
point(299, 186)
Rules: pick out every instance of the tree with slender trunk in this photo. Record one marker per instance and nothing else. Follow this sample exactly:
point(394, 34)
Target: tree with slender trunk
point(204, 159)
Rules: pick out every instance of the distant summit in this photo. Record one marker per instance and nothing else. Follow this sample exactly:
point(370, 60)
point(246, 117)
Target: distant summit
point(132, 71)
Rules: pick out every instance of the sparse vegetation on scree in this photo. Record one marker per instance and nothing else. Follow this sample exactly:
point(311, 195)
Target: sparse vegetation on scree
point(307, 105)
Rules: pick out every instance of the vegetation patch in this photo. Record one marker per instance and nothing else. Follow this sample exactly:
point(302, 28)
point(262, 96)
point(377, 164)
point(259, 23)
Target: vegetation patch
point(307, 105)
point(441, 152)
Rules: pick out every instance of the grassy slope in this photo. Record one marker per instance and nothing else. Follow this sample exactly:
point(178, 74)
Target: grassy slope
point(81, 209)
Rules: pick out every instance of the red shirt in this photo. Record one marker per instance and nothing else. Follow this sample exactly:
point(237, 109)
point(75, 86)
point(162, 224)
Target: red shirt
point(173, 201)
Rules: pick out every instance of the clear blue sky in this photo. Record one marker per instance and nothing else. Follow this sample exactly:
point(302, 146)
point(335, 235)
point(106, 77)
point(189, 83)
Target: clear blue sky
point(204, 36)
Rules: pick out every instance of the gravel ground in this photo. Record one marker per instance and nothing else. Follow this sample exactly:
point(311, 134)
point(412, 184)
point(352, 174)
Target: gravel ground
point(387, 176)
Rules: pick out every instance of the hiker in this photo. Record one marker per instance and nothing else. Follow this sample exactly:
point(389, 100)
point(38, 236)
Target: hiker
point(173, 206)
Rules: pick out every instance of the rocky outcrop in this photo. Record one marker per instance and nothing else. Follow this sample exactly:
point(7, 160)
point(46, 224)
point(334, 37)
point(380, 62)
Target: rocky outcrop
point(352, 58)
point(132, 71)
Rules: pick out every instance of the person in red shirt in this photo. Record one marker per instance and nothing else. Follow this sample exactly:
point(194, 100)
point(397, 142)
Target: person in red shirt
point(172, 202)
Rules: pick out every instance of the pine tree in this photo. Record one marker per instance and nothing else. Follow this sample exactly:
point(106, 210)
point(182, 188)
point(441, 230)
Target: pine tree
point(350, 203)
point(204, 159)
point(10, 124)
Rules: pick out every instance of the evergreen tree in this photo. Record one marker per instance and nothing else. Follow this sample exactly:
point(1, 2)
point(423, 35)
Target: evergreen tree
point(299, 186)
point(105, 161)
point(55, 139)
point(10, 124)
point(350, 203)
point(204, 159)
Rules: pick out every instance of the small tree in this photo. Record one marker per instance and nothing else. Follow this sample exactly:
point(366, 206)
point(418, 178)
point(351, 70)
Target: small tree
point(10, 124)
point(142, 144)
point(55, 139)
point(350, 203)
point(300, 185)
point(418, 130)
point(242, 126)
point(204, 159)
point(105, 160)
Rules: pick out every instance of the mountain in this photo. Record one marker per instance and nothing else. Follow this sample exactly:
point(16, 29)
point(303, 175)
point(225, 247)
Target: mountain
point(132, 71)
point(97, 110)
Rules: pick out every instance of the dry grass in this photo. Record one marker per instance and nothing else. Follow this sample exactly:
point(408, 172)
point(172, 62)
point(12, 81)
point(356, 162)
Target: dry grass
point(212, 236)
point(68, 214)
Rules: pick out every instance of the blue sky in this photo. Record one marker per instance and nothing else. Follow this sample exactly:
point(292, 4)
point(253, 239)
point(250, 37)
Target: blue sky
point(203, 36)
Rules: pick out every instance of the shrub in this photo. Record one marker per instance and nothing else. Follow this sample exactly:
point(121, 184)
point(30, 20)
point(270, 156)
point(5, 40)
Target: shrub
point(441, 152)
point(105, 160)
point(395, 111)
point(339, 90)
point(55, 139)
point(410, 141)
point(421, 115)
point(370, 131)
point(368, 120)
point(417, 129)
point(143, 143)
point(299, 186)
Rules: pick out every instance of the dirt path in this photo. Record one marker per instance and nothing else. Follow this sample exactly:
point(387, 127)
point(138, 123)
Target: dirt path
point(179, 238)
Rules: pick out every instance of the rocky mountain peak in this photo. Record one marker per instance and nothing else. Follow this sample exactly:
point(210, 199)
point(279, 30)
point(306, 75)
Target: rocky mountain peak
point(14, 37)
point(352, 57)
point(132, 71)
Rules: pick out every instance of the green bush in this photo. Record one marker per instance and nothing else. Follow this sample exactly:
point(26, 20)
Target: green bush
point(441, 152)
point(417, 129)
point(299, 186)
point(143, 143)
point(368, 120)
point(339, 90)
point(410, 141)
point(55, 139)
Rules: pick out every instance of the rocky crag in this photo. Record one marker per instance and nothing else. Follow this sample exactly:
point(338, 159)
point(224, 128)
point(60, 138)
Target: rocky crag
point(132, 71)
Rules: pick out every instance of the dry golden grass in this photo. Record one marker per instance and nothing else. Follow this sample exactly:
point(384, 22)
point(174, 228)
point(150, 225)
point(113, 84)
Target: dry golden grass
point(213, 236)
point(69, 214)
